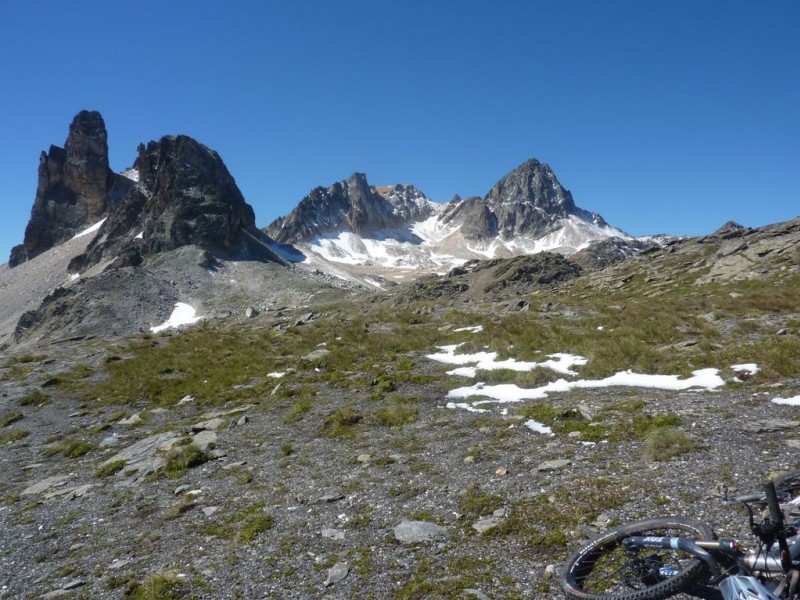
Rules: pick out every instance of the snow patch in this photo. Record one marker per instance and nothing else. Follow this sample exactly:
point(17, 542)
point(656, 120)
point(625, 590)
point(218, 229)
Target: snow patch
point(183, 314)
point(787, 401)
point(89, 230)
point(538, 427)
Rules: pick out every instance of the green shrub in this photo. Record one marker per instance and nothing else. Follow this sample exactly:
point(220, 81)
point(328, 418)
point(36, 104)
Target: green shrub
point(183, 458)
point(341, 422)
point(110, 468)
point(9, 418)
point(397, 414)
point(11, 435)
point(664, 443)
point(35, 398)
point(70, 449)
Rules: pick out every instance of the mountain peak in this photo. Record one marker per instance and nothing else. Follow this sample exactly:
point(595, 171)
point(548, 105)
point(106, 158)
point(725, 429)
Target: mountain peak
point(73, 188)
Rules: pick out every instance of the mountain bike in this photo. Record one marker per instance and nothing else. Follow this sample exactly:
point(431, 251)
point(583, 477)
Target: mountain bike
point(669, 557)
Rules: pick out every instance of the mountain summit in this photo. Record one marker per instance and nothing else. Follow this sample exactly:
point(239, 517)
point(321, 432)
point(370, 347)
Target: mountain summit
point(73, 189)
point(527, 211)
point(178, 193)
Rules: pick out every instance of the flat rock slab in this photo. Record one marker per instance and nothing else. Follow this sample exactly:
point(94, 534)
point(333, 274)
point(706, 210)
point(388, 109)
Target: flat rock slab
point(416, 532)
point(770, 425)
point(553, 465)
point(142, 456)
point(46, 484)
point(210, 425)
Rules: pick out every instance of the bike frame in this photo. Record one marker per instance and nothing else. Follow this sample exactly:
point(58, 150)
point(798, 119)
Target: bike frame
point(765, 564)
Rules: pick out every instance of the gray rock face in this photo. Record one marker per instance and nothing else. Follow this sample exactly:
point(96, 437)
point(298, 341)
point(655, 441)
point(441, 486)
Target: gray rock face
point(350, 205)
point(475, 217)
point(185, 195)
point(530, 198)
point(73, 188)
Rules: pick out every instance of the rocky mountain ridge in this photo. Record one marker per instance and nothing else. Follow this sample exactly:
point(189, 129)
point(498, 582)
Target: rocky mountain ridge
point(527, 211)
point(179, 192)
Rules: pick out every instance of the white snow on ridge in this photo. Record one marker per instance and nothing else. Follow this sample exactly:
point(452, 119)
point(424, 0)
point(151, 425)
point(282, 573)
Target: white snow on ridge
point(89, 230)
point(183, 314)
point(431, 243)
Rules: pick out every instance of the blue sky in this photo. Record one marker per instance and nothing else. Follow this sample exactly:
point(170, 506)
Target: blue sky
point(662, 116)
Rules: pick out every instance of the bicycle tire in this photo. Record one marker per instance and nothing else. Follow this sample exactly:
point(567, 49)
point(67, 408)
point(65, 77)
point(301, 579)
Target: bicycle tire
point(602, 570)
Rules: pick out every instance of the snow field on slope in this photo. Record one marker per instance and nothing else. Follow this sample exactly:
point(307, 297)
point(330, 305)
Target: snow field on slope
point(506, 393)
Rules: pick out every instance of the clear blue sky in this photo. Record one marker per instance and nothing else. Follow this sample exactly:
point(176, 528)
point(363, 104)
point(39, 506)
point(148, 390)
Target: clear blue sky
point(663, 116)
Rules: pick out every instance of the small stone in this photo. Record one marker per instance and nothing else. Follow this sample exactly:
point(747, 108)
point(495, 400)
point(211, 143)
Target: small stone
point(468, 460)
point(484, 525)
point(134, 419)
point(485, 430)
point(210, 510)
point(159, 411)
point(333, 534)
point(242, 420)
point(553, 465)
point(783, 331)
point(109, 442)
point(217, 453)
point(186, 399)
point(415, 532)
point(181, 489)
point(502, 471)
point(119, 563)
point(500, 512)
point(250, 312)
point(574, 434)
point(204, 440)
point(76, 546)
point(317, 354)
point(364, 458)
point(337, 573)
point(550, 570)
point(210, 425)
point(234, 465)
point(329, 497)
point(71, 585)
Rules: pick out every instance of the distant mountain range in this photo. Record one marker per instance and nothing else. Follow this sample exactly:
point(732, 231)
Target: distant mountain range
point(179, 192)
point(526, 212)
point(111, 253)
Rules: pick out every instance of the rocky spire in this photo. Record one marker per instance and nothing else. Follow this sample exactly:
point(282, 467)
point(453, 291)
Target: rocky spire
point(73, 187)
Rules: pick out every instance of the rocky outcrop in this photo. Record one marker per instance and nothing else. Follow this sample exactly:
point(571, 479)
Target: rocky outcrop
point(473, 215)
point(73, 188)
point(409, 202)
point(350, 205)
point(184, 195)
point(601, 254)
point(530, 200)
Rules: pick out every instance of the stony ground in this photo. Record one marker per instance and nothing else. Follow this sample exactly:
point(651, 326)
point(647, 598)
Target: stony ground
point(286, 508)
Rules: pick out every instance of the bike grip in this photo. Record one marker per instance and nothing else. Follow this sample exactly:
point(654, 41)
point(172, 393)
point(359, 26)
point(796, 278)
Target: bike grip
point(775, 511)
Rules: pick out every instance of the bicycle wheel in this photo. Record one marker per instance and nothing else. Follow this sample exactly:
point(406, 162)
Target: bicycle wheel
point(605, 570)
